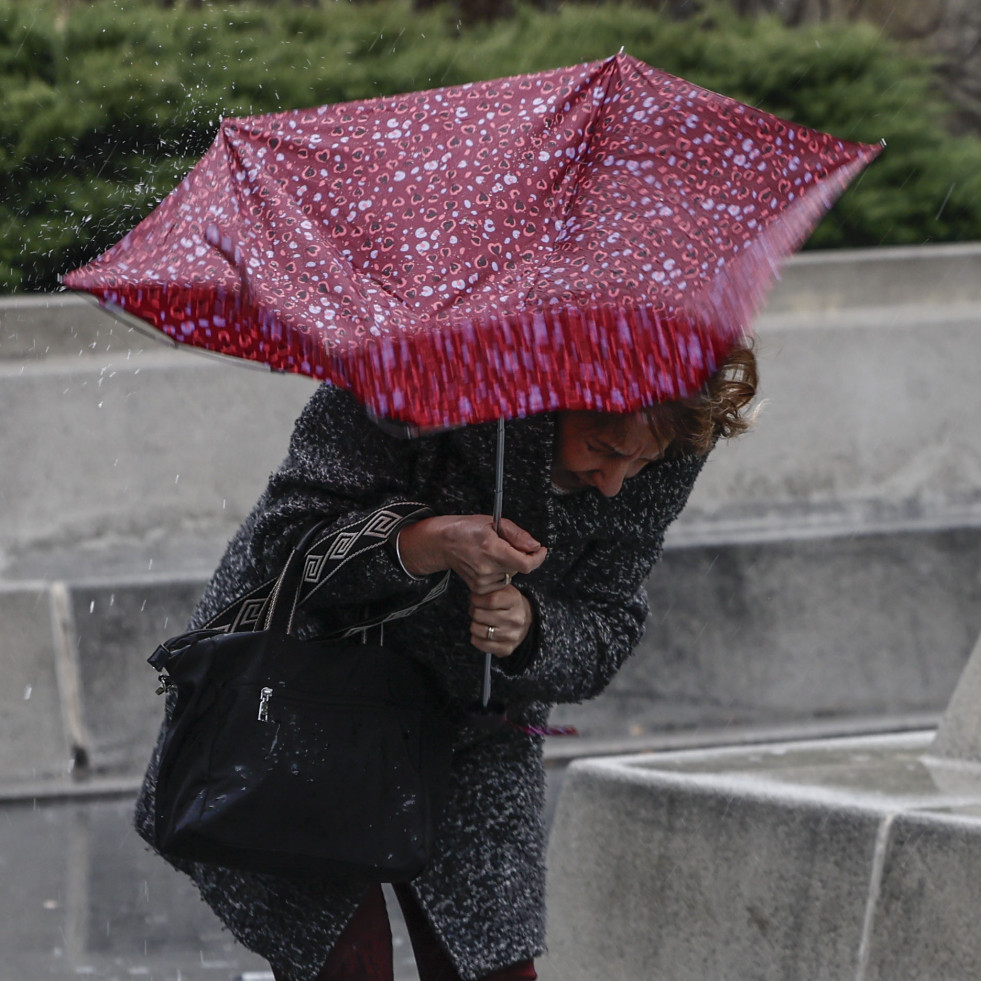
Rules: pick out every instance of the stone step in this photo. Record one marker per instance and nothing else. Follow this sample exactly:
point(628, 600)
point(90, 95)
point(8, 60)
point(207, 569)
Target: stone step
point(867, 422)
point(805, 628)
point(78, 696)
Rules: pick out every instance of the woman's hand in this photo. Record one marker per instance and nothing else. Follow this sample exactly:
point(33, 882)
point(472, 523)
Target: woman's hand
point(499, 621)
point(468, 544)
point(500, 616)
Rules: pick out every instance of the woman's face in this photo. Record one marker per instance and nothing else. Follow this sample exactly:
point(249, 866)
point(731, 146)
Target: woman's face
point(600, 450)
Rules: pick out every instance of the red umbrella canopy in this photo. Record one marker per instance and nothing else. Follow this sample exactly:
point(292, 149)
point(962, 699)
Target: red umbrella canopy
point(593, 237)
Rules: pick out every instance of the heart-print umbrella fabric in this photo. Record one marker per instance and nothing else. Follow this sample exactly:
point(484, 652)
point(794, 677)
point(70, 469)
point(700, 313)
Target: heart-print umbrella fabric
point(594, 237)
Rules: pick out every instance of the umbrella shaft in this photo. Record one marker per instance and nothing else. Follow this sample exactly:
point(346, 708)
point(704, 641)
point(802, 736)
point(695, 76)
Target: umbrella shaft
point(498, 507)
point(499, 477)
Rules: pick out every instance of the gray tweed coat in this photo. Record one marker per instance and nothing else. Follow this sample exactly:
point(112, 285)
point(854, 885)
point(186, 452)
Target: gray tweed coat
point(484, 893)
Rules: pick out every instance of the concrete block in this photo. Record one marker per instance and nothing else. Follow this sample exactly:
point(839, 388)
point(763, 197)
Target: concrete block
point(867, 365)
point(34, 739)
point(169, 452)
point(118, 626)
point(740, 634)
point(32, 326)
point(959, 734)
point(898, 276)
point(868, 422)
point(837, 859)
point(797, 629)
point(781, 632)
point(38, 326)
point(135, 459)
point(698, 884)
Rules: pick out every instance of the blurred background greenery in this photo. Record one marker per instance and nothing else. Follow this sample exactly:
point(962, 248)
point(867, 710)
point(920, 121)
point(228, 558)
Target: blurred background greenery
point(106, 104)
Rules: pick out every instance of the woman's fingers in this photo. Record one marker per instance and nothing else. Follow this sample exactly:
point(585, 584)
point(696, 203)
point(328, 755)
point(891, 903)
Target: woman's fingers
point(501, 563)
point(518, 538)
point(500, 620)
point(492, 640)
point(512, 551)
point(487, 559)
point(492, 606)
point(469, 546)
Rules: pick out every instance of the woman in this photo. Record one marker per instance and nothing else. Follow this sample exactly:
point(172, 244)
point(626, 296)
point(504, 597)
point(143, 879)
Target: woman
point(558, 598)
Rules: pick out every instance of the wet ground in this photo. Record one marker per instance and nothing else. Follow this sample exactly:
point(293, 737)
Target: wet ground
point(81, 897)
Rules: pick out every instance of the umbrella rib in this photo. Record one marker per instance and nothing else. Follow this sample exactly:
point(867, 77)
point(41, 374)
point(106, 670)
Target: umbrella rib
point(579, 164)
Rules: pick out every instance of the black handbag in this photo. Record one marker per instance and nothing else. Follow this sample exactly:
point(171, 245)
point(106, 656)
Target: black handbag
point(323, 758)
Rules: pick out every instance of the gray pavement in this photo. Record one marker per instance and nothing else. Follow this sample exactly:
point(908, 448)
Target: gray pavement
point(81, 897)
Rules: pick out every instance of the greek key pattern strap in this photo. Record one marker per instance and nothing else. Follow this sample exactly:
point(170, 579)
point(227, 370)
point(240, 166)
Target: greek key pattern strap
point(324, 559)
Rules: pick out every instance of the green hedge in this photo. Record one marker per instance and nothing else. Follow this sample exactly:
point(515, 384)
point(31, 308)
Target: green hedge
point(106, 104)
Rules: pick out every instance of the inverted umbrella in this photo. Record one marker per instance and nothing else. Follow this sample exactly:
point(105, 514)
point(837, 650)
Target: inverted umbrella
point(594, 237)
point(591, 237)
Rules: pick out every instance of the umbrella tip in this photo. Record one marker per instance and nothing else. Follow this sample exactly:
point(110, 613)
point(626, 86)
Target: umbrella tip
point(882, 143)
point(623, 48)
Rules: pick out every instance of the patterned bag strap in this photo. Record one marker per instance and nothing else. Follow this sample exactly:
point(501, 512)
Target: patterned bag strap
point(328, 554)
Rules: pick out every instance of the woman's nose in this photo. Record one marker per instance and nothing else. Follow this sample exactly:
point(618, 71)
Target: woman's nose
point(609, 479)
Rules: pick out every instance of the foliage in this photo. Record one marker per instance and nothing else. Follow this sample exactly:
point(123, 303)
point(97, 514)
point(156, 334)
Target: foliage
point(107, 103)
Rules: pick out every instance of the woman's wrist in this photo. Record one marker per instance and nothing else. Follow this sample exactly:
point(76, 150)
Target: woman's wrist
point(415, 547)
point(401, 560)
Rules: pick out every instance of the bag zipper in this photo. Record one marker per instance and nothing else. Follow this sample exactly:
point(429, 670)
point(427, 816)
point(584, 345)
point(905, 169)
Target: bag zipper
point(266, 695)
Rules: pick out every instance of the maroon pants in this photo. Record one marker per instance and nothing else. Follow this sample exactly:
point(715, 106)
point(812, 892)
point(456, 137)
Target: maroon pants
point(363, 951)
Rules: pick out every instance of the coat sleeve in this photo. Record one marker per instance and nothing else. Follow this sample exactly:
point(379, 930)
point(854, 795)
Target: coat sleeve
point(587, 629)
point(340, 467)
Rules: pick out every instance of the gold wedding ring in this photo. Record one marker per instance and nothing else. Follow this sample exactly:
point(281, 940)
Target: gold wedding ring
point(490, 633)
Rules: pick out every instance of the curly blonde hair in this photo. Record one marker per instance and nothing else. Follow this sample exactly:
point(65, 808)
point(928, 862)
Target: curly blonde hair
point(718, 410)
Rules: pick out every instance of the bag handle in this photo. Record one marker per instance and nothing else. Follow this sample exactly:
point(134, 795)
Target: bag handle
point(286, 593)
point(313, 562)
